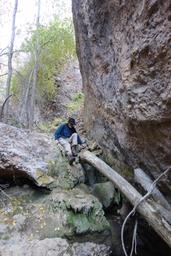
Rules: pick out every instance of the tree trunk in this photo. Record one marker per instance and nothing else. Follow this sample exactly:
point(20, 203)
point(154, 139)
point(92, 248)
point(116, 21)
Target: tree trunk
point(10, 56)
point(35, 72)
point(25, 100)
point(147, 210)
point(144, 180)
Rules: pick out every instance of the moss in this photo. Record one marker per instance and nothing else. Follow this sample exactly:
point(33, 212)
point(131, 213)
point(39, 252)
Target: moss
point(82, 223)
point(77, 102)
point(92, 221)
point(58, 166)
point(42, 178)
point(84, 212)
point(5, 236)
point(79, 222)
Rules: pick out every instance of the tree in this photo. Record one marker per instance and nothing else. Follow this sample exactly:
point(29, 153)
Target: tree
point(10, 56)
point(30, 75)
point(56, 45)
point(35, 71)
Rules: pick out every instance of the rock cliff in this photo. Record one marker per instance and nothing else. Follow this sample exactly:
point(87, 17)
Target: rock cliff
point(124, 50)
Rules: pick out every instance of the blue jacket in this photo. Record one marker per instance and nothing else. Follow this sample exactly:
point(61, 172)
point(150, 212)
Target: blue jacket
point(64, 131)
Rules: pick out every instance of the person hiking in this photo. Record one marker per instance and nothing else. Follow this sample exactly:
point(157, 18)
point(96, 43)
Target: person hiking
point(66, 135)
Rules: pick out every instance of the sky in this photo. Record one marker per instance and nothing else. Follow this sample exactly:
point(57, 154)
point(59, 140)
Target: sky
point(26, 15)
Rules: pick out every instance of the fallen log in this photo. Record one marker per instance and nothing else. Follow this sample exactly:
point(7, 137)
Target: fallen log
point(165, 214)
point(145, 181)
point(144, 208)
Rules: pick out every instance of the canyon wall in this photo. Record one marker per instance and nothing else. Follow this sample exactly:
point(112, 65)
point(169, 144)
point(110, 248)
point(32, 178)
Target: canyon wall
point(124, 51)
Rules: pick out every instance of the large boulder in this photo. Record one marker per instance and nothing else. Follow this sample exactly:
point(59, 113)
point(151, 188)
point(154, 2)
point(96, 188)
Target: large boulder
point(25, 156)
point(107, 194)
point(124, 50)
point(34, 158)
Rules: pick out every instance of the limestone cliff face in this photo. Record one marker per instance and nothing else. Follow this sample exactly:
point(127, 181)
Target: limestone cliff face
point(124, 50)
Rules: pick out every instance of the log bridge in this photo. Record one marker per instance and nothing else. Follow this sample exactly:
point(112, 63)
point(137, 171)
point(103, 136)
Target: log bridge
point(149, 210)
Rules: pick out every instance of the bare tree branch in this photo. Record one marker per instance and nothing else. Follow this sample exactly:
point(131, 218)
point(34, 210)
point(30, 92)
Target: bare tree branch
point(2, 50)
point(1, 190)
point(18, 73)
point(4, 74)
point(16, 51)
point(3, 106)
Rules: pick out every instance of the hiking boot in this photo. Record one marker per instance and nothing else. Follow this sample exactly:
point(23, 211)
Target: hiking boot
point(71, 159)
point(74, 150)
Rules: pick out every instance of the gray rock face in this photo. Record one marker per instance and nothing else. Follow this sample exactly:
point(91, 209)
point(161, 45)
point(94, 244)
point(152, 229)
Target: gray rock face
point(54, 247)
point(124, 50)
point(69, 84)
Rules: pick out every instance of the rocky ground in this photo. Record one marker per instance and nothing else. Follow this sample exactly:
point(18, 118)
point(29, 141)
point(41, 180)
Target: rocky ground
point(55, 247)
point(45, 207)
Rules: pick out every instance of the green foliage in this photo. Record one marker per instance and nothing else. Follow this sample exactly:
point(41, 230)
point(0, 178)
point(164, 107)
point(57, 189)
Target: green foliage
point(50, 127)
point(93, 220)
point(76, 103)
point(55, 44)
point(15, 87)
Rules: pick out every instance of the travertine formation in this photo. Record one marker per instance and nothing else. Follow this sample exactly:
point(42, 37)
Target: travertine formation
point(124, 50)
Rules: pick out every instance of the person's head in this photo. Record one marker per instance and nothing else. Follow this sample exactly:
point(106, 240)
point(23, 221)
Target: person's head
point(71, 122)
